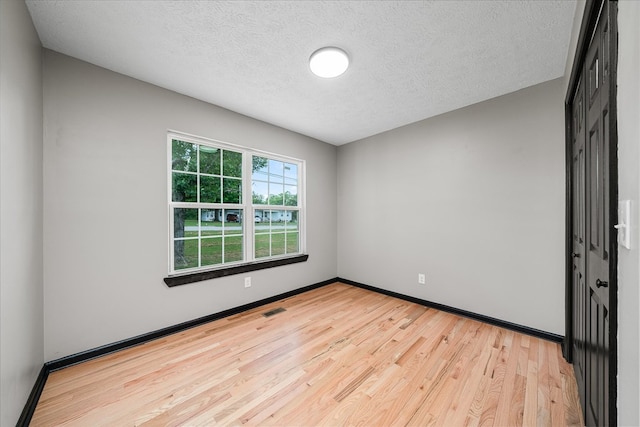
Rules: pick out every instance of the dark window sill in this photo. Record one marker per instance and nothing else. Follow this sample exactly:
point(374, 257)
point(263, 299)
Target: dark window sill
point(172, 281)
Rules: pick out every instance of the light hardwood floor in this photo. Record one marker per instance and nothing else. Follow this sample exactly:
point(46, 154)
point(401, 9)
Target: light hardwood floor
point(338, 355)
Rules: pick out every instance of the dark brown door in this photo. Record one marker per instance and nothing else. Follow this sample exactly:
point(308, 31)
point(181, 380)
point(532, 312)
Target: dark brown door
point(591, 221)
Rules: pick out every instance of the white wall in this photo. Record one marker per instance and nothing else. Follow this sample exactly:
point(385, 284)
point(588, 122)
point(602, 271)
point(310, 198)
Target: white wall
point(21, 328)
point(629, 189)
point(105, 227)
point(473, 198)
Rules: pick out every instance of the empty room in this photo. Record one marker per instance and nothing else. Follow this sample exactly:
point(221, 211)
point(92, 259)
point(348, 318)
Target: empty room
point(301, 213)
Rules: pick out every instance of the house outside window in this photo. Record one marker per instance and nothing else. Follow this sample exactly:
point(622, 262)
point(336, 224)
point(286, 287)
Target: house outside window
point(231, 205)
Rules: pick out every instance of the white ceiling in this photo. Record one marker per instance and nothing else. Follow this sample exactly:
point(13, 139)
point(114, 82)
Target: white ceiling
point(409, 60)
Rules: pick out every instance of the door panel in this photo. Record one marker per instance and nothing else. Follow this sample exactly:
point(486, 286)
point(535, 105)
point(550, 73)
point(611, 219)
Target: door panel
point(578, 199)
point(597, 363)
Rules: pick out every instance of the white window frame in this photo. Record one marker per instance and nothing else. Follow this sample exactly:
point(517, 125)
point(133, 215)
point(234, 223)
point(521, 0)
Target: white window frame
point(248, 209)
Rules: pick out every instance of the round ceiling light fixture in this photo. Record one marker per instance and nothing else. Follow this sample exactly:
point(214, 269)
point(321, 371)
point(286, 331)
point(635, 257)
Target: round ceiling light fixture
point(329, 62)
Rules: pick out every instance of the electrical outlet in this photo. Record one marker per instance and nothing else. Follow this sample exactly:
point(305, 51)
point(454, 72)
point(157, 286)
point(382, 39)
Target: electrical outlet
point(421, 279)
point(247, 282)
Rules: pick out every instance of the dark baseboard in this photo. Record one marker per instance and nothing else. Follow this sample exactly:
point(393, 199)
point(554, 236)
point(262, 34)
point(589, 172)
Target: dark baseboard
point(32, 401)
point(74, 359)
point(54, 365)
point(150, 336)
point(486, 319)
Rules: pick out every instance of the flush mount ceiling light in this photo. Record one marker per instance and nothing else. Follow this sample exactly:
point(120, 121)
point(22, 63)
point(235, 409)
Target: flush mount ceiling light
point(329, 62)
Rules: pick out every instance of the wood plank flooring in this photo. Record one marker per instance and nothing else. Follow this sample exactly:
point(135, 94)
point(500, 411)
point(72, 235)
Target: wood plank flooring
point(338, 355)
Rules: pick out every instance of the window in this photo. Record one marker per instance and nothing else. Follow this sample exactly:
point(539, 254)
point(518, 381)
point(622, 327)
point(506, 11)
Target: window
point(274, 189)
point(230, 205)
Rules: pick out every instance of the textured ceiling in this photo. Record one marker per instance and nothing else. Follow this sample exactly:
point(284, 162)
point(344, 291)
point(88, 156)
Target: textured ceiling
point(409, 60)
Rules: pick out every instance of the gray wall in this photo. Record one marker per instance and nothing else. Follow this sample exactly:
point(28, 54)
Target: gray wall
point(629, 189)
point(479, 181)
point(105, 205)
point(21, 327)
point(473, 198)
point(573, 43)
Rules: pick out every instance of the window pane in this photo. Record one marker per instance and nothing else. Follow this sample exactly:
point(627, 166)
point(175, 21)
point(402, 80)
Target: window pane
point(261, 220)
point(210, 189)
point(232, 163)
point(293, 233)
point(211, 251)
point(210, 224)
point(233, 249)
point(276, 171)
point(277, 244)
point(292, 221)
point(262, 247)
point(209, 160)
point(266, 219)
point(276, 194)
point(183, 156)
point(185, 222)
point(290, 174)
point(233, 221)
point(232, 190)
point(185, 254)
point(260, 169)
point(260, 192)
point(183, 187)
point(293, 246)
point(279, 217)
point(290, 195)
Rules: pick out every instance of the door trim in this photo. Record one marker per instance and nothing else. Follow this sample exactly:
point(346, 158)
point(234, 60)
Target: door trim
point(587, 28)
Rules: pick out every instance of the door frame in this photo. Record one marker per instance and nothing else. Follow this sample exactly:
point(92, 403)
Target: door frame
point(587, 28)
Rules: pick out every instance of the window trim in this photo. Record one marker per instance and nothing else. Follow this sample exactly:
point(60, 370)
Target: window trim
point(183, 279)
point(249, 262)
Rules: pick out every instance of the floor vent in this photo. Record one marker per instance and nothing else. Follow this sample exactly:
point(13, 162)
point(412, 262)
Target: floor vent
point(274, 311)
